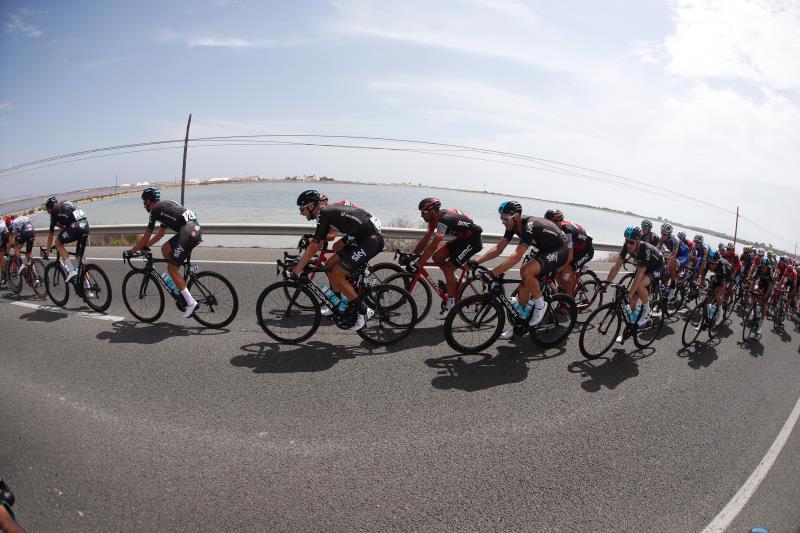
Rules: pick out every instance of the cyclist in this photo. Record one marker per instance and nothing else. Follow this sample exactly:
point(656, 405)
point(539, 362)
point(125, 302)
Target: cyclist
point(747, 262)
point(188, 235)
point(649, 265)
point(701, 251)
point(685, 240)
point(787, 278)
point(737, 267)
point(579, 246)
point(647, 233)
point(8, 520)
point(762, 279)
point(22, 231)
point(3, 251)
point(73, 227)
point(551, 254)
point(454, 253)
point(363, 241)
point(722, 270)
point(678, 255)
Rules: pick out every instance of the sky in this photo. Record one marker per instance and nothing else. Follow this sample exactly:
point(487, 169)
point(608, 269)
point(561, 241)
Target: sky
point(699, 98)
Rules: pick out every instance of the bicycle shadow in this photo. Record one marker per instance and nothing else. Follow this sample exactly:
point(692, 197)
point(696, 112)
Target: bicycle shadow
point(132, 332)
point(273, 358)
point(754, 346)
point(44, 315)
point(484, 373)
point(782, 334)
point(701, 355)
point(612, 372)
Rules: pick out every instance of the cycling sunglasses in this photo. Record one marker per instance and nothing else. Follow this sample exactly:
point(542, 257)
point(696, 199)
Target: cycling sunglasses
point(630, 241)
point(304, 207)
point(506, 218)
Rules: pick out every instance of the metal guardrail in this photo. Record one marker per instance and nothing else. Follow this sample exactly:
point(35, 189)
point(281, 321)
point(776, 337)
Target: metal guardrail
point(293, 230)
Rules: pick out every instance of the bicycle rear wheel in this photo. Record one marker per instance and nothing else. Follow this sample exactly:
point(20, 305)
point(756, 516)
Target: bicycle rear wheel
point(694, 324)
point(395, 314)
point(600, 331)
point(421, 292)
point(474, 323)
point(217, 302)
point(558, 321)
point(96, 288)
point(643, 336)
point(55, 284)
point(143, 295)
point(280, 316)
point(750, 325)
point(588, 297)
point(37, 278)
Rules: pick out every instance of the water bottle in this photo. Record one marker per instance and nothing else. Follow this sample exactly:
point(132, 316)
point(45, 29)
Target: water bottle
point(711, 309)
point(170, 284)
point(758, 311)
point(343, 303)
point(329, 294)
point(518, 308)
point(629, 312)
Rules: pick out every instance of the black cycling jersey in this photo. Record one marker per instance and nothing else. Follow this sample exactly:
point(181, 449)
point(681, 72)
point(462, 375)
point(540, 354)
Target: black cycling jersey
point(171, 215)
point(647, 256)
point(63, 214)
point(723, 270)
point(764, 276)
point(652, 239)
point(454, 222)
point(348, 220)
point(544, 235)
point(577, 238)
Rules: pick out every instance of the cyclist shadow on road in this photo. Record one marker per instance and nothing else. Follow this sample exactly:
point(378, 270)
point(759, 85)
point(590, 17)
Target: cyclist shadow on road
point(701, 355)
point(483, 373)
point(272, 358)
point(611, 372)
point(782, 334)
point(754, 346)
point(43, 315)
point(128, 331)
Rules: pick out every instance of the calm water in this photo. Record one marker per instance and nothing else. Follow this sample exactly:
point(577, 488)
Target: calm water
point(274, 202)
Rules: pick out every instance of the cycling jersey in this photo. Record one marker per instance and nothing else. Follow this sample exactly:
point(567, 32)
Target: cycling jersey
point(651, 238)
point(577, 238)
point(540, 233)
point(3, 236)
point(701, 255)
point(63, 214)
point(790, 276)
point(349, 220)
point(763, 277)
point(647, 256)
point(454, 222)
point(723, 270)
point(171, 215)
point(675, 246)
point(689, 244)
point(22, 229)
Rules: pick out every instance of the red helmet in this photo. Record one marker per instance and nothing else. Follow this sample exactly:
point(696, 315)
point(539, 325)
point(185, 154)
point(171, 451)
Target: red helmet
point(430, 203)
point(9, 218)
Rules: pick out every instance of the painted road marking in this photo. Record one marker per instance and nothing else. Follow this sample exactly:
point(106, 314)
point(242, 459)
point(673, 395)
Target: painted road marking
point(740, 499)
point(86, 314)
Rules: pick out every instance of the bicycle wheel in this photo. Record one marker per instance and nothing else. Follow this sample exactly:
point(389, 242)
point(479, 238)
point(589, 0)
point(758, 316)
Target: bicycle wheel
point(395, 314)
point(96, 288)
point(143, 295)
point(421, 292)
point(694, 324)
point(281, 318)
point(627, 280)
point(749, 325)
point(217, 302)
point(381, 271)
point(588, 297)
point(36, 280)
point(55, 284)
point(600, 331)
point(474, 323)
point(643, 336)
point(559, 318)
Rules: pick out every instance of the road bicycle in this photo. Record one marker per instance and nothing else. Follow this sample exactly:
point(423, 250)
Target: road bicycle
point(143, 292)
point(90, 283)
point(17, 274)
point(604, 325)
point(476, 321)
point(702, 318)
point(290, 310)
point(753, 316)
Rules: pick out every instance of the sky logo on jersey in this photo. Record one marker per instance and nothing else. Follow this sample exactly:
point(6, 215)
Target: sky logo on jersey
point(178, 251)
point(358, 255)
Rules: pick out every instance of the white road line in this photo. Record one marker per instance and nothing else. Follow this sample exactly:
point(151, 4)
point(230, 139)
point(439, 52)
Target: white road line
point(740, 499)
point(86, 314)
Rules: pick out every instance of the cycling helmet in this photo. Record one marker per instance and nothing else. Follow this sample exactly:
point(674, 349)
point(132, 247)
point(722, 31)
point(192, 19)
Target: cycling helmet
point(721, 247)
point(761, 251)
point(509, 207)
point(430, 203)
point(713, 256)
point(698, 238)
point(554, 215)
point(681, 235)
point(310, 196)
point(782, 259)
point(770, 254)
point(633, 233)
point(647, 224)
point(9, 218)
point(764, 261)
point(151, 193)
point(731, 247)
point(666, 228)
point(50, 202)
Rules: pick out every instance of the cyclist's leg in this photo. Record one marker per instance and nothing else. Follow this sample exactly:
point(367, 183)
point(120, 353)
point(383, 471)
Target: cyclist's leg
point(176, 251)
point(452, 256)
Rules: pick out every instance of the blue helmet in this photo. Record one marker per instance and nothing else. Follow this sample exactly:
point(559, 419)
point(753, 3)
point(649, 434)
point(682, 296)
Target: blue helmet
point(151, 193)
point(509, 207)
point(633, 232)
point(765, 261)
point(713, 256)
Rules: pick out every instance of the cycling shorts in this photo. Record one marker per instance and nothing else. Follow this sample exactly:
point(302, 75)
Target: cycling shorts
point(26, 238)
point(581, 258)
point(357, 252)
point(77, 231)
point(183, 242)
point(551, 261)
point(462, 249)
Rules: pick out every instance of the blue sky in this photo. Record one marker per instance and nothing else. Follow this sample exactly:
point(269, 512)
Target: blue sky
point(698, 97)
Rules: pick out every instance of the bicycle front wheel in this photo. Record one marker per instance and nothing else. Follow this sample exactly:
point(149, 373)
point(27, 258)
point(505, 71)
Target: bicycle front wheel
point(694, 324)
point(474, 323)
point(96, 288)
point(217, 302)
point(600, 331)
point(395, 314)
point(288, 312)
point(749, 325)
point(55, 284)
point(644, 335)
point(37, 278)
point(420, 292)
point(143, 295)
point(558, 320)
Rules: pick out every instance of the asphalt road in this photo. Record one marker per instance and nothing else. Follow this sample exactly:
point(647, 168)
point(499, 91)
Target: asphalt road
point(115, 426)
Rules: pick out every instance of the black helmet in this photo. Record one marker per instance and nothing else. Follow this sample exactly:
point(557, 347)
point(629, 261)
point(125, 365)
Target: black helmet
point(52, 201)
point(509, 207)
point(427, 204)
point(310, 196)
point(554, 215)
point(151, 193)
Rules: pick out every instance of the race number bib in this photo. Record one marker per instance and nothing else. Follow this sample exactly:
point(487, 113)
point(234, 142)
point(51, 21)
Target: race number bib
point(377, 223)
point(79, 214)
point(189, 216)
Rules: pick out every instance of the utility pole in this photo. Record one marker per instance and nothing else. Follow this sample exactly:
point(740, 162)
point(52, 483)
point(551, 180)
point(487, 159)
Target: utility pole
point(185, 150)
point(736, 229)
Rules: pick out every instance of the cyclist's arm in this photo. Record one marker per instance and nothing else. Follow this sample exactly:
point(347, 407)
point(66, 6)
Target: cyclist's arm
point(313, 248)
point(423, 242)
point(431, 248)
point(7, 523)
point(493, 252)
point(157, 237)
point(511, 260)
point(615, 269)
point(49, 241)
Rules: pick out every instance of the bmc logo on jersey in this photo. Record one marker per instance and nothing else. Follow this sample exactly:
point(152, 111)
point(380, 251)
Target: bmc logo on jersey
point(464, 252)
point(358, 254)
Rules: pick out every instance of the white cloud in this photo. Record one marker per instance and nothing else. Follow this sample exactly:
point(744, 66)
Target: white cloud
point(235, 42)
point(5, 105)
point(17, 22)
